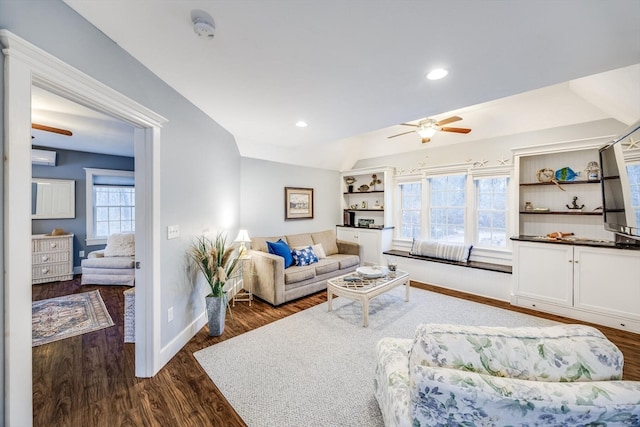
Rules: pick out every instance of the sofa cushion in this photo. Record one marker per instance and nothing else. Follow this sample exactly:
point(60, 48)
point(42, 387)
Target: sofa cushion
point(555, 353)
point(442, 250)
point(260, 243)
point(328, 241)
point(304, 256)
point(296, 274)
point(327, 265)
point(120, 244)
point(345, 261)
point(281, 248)
point(299, 240)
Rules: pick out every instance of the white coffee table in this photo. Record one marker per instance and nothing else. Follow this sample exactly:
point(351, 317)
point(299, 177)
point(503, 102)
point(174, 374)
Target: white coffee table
point(365, 289)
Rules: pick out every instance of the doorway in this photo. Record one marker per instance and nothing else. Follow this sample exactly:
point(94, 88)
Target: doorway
point(26, 65)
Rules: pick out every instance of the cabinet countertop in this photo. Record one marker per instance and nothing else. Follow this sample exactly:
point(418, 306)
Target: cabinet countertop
point(364, 228)
point(575, 241)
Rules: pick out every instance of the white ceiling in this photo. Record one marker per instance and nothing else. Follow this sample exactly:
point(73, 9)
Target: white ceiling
point(352, 69)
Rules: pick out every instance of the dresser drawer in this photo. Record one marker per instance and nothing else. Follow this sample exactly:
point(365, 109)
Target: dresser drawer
point(49, 257)
point(51, 244)
point(51, 272)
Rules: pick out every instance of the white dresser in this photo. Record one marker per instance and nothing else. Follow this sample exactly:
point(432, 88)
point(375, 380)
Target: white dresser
point(51, 258)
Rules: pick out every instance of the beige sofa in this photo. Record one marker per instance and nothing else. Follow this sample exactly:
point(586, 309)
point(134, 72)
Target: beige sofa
point(270, 281)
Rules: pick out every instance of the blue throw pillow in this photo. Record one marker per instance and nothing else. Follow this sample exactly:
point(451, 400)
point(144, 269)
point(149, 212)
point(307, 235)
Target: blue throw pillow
point(282, 249)
point(304, 256)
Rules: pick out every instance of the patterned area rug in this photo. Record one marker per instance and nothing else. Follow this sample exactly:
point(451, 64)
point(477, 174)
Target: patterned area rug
point(63, 317)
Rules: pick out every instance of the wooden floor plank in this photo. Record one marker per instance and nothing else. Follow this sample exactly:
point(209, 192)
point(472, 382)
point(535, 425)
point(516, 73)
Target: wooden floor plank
point(89, 379)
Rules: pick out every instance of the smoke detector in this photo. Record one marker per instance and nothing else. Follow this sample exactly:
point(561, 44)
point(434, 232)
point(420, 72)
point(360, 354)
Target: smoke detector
point(204, 27)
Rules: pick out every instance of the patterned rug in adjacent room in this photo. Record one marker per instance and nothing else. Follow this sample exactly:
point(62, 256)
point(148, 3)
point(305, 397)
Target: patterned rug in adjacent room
point(63, 317)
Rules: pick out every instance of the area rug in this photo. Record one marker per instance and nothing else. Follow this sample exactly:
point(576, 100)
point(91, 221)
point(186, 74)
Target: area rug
point(63, 317)
point(316, 368)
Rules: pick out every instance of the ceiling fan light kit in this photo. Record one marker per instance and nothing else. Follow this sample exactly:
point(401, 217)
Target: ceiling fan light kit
point(427, 128)
point(204, 28)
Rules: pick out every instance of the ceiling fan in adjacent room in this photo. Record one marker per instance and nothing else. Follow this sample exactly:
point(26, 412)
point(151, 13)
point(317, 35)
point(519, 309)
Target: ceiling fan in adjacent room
point(428, 127)
point(51, 129)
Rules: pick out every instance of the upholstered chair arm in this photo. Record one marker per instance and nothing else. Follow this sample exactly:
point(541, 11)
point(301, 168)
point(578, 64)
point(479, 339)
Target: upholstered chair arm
point(349, 248)
point(266, 276)
point(96, 254)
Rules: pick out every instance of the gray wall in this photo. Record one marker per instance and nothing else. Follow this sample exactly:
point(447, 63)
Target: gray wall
point(200, 162)
point(70, 165)
point(262, 197)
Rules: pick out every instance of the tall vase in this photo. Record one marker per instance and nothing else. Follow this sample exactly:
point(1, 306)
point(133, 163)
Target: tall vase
point(216, 311)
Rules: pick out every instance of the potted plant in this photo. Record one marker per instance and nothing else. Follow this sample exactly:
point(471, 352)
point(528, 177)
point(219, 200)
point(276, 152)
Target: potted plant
point(218, 263)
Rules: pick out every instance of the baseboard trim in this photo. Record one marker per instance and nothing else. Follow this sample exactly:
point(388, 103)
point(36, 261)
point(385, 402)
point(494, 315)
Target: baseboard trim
point(176, 344)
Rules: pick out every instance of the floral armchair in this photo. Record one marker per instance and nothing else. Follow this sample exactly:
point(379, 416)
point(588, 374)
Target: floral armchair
point(492, 376)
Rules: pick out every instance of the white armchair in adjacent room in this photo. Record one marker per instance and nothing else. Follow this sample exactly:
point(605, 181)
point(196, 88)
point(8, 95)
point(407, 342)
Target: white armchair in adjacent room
point(113, 265)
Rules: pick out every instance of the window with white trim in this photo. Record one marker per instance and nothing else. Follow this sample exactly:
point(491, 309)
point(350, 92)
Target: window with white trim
point(110, 203)
point(410, 210)
point(447, 206)
point(491, 211)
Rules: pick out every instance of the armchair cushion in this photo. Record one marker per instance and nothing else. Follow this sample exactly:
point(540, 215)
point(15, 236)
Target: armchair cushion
point(556, 353)
point(120, 244)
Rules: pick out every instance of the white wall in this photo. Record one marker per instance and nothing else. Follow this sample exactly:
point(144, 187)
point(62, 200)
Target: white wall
point(262, 197)
point(200, 162)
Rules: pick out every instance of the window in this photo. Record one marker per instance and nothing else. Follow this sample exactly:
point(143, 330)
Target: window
point(114, 209)
point(633, 171)
point(447, 208)
point(110, 204)
point(410, 210)
point(491, 208)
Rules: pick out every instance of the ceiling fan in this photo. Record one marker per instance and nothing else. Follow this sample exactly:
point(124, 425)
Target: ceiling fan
point(428, 127)
point(51, 129)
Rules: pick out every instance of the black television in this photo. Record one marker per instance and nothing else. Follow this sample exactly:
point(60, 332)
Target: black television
point(619, 215)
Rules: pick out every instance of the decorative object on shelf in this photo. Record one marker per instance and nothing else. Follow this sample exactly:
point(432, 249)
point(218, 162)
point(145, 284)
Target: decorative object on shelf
point(217, 262)
point(363, 188)
point(350, 180)
point(559, 235)
point(566, 174)
point(593, 171)
point(548, 175)
point(365, 222)
point(364, 204)
point(528, 206)
point(354, 206)
point(574, 205)
point(375, 183)
point(298, 203)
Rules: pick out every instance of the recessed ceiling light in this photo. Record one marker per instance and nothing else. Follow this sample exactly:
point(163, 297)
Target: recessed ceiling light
point(437, 74)
point(301, 124)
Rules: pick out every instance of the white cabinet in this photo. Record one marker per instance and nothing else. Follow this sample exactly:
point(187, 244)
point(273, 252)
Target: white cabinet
point(372, 241)
point(51, 258)
point(594, 284)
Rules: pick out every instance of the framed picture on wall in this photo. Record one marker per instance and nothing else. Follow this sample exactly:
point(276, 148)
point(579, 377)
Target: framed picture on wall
point(298, 203)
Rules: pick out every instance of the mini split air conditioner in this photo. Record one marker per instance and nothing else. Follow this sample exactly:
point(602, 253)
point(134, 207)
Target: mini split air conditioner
point(43, 157)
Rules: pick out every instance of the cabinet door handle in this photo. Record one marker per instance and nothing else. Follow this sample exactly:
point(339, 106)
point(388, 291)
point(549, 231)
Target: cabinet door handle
point(53, 245)
point(45, 258)
point(576, 261)
point(570, 260)
point(45, 270)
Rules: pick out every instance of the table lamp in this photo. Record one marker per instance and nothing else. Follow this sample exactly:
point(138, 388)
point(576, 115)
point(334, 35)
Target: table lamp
point(243, 238)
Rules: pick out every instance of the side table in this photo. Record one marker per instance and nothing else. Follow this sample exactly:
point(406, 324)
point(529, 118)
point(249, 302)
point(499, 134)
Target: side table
point(242, 294)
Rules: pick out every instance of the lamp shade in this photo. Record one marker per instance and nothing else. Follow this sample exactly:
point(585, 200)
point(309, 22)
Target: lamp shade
point(243, 236)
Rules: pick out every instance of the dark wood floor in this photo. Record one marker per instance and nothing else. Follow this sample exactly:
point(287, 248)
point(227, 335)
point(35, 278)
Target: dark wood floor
point(89, 380)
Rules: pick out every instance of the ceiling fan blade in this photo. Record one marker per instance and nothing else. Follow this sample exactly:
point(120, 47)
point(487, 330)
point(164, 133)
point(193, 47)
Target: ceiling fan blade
point(409, 124)
point(51, 129)
point(456, 130)
point(404, 133)
point(448, 120)
point(425, 140)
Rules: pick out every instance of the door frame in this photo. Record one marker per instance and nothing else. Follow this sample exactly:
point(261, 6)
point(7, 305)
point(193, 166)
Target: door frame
point(26, 65)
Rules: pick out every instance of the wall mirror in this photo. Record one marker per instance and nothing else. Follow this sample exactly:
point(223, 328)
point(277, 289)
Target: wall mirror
point(53, 198)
